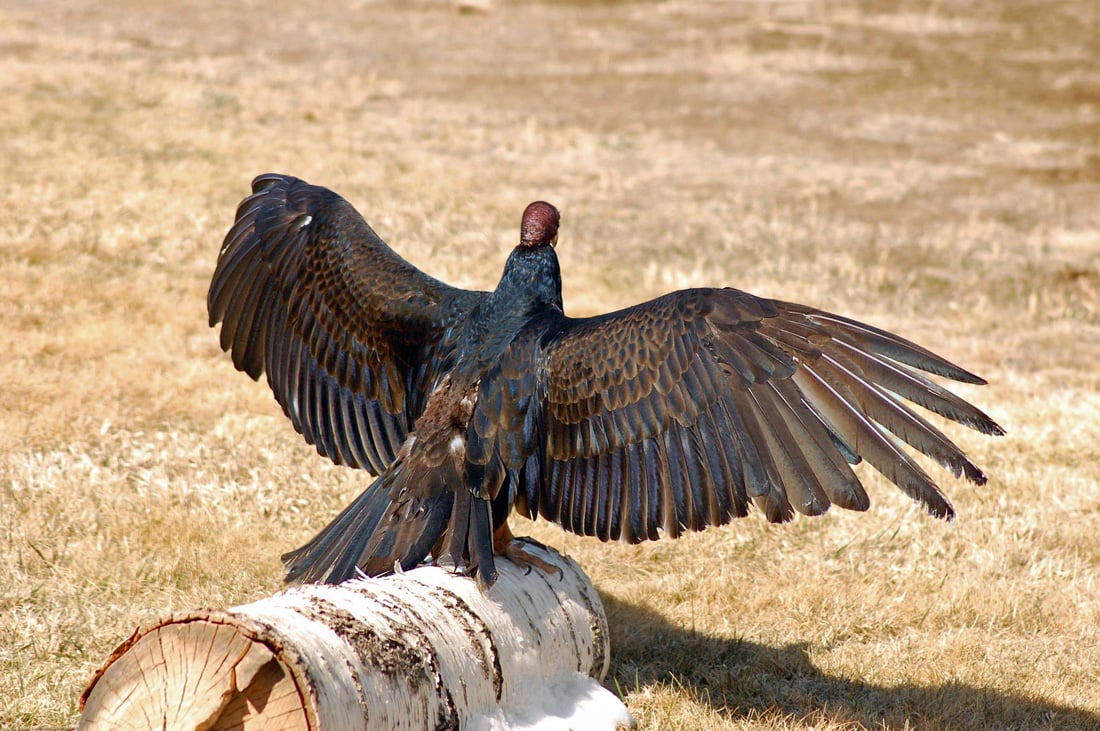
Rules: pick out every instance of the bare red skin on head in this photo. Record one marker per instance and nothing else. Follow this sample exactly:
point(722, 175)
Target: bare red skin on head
point(540, 225)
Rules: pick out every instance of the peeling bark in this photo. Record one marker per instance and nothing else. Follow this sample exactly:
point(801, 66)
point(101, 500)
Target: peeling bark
point(421, 650)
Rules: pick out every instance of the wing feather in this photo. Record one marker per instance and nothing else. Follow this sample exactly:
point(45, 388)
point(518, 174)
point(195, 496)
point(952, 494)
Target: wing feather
point(920, 390)
point(792, 453)
point(869, 441)
point(765, 483)
point(632, 511)
point(653, 466)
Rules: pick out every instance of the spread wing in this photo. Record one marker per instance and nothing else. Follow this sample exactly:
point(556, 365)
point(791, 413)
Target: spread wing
point(674, 414)
point(351, 336)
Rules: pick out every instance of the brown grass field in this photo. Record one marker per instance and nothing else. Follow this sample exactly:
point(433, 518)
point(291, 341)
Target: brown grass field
point(932, 167)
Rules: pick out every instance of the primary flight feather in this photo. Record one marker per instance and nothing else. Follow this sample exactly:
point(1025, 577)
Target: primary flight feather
point(671, 415)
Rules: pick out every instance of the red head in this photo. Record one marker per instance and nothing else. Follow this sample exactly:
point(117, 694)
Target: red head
point(540, 225)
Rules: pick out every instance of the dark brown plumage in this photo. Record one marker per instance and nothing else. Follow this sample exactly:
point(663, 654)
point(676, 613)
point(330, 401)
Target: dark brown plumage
point(672, 415)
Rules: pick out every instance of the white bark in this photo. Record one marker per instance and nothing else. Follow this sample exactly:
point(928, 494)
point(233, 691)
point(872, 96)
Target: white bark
point(420, 650)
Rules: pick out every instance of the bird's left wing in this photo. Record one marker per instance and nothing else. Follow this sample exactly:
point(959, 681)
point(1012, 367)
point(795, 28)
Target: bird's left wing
point(349, 333)
point(678, 412)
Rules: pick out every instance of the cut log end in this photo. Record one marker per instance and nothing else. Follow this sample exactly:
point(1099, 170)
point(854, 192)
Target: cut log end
point(423, 649)
point(194, 672)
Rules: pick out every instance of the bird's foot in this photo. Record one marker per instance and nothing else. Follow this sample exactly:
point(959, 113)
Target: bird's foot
point(514, 549)
point(516, 552)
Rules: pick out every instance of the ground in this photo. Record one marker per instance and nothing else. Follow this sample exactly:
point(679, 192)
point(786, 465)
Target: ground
point(932, 167)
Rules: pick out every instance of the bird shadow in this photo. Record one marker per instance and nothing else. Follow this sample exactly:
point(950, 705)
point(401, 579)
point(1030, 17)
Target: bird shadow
point(742, 679)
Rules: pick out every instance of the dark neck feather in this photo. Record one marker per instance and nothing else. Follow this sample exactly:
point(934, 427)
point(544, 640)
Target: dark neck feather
point(531, 280)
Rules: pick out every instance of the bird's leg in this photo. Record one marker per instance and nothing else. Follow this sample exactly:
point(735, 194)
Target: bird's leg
point(505, 544)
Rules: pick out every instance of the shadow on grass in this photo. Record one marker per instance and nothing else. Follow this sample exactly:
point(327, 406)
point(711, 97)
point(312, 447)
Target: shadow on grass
point(740, 678)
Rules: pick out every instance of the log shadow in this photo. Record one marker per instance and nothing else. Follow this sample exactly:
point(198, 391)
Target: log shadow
point(741, 679)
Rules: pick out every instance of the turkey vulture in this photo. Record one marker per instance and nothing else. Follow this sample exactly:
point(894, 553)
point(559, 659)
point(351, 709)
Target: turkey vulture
point(668, 416)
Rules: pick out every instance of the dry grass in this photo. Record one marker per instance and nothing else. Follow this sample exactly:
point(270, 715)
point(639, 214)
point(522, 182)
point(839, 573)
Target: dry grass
point(933, 167)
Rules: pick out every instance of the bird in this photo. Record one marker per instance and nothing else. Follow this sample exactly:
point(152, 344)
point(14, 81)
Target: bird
point(675, 414)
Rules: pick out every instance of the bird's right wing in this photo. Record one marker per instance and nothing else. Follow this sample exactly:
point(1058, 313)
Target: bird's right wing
point(678, 412)
point(351, 336)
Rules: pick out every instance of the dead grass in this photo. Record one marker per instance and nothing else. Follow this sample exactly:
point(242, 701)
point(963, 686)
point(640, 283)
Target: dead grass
point(932, 167)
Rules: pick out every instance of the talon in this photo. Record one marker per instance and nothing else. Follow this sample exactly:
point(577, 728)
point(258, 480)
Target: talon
point(514, 552)
point(507, 545)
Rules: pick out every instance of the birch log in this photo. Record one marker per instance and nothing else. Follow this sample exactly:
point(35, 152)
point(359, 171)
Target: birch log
point(421, 650)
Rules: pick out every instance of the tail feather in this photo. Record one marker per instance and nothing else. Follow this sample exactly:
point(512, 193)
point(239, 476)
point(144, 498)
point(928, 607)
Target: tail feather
point(332, 555)
point(480, 542)
point(412, 510)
